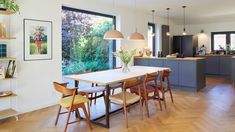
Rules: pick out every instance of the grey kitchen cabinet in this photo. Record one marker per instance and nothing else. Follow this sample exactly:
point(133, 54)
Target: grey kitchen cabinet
point(185, 73)
point(233, 70)
point(141, 62)
point(174, 76)
point(225, 65)
point(188, 73)
point(156, 62)
point(212, 65)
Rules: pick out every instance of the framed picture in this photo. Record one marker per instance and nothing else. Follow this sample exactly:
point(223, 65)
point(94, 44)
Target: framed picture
point(37, 40)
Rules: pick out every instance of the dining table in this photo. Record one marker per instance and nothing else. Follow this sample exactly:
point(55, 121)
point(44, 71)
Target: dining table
point(111, 76)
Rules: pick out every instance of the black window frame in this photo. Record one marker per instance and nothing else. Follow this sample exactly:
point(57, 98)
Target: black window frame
point(227, 33)
point(98, 14)
point(153, 38)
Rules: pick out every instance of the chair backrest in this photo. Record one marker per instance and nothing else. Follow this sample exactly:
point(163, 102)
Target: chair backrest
point(150, 77)
point(132, 83)
point(61, 88)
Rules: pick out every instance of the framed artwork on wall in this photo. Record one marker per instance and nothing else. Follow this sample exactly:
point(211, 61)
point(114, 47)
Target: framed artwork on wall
point(37, 40)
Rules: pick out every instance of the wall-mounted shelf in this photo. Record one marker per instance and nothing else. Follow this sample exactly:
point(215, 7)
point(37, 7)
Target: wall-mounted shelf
point(7, 12)
point(7, 38)
point(7, 58)
point(8, 113)
point(10, 96)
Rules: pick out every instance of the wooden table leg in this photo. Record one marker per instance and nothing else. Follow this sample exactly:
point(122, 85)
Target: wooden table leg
point(107, 102)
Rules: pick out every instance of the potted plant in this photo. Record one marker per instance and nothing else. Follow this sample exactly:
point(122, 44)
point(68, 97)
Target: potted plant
point(9, 5)
point(125, 56)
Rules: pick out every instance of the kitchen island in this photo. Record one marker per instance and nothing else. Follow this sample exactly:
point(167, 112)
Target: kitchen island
point(187, 73)
point(233, 70)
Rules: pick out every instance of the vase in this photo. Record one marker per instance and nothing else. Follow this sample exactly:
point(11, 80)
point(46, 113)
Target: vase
point(125, 67)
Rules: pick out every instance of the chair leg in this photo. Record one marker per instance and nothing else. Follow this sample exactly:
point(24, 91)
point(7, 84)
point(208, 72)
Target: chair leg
point(89, 110)
point(170, 94)
point(67, 121)
point(141, 107)
point(125, 113)
point(91, 99)
point(95, 98)
point(87, 116)
point(159, 100)
point(57, 117)
point(113, 91)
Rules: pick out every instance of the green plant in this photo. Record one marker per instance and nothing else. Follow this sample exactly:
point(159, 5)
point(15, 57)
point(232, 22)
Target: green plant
point(125, 55)
point(11, 5)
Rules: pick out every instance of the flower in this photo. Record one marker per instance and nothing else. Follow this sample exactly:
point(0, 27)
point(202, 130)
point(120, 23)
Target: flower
point(125, 55)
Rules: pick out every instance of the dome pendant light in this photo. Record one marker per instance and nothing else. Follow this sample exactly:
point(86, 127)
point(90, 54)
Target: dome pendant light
point(168, 21)
point(136, 35)
point(113, 34)
point(184, 29)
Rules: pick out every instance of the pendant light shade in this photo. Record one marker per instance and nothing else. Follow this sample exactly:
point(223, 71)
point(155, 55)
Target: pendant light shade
point(184, 29)
point(113, 35)
point(136, 35)
point(168, 21)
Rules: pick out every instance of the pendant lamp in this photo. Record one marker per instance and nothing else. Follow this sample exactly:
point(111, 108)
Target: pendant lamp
point(184, 29)
point(168, 21)
point(136, 35)
point(113, 34)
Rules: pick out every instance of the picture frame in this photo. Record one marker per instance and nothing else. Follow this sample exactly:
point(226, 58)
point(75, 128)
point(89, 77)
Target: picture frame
point(37, 40)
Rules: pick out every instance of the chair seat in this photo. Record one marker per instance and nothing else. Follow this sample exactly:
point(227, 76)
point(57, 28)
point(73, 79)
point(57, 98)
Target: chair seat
point(130, 98)
point(149, 89)
point(115, 85)
point(94, 89)
point(66, 102)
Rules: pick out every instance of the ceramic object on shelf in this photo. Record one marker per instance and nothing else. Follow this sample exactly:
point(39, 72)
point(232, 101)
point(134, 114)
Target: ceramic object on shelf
point(5, 93)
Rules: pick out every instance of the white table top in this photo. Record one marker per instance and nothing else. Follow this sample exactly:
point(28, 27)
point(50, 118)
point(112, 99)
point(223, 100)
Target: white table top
point(115, 75)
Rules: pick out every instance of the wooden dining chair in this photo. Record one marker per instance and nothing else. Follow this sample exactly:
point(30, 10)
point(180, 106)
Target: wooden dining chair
point(149, 91)
point(93, 90)
point(126, 98)
point(72, 102)
point(165, 85)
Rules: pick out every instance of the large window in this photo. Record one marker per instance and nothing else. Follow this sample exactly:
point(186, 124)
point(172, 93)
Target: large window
point(83, 46)
point(151, 37)
point(220, 40)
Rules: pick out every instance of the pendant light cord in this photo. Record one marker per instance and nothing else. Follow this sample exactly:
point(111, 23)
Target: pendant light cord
point(153, 11)
point(184, 18)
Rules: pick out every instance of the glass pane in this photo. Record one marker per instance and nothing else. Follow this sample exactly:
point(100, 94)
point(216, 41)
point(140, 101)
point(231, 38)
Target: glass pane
point(219, 41)
point(232, 40)
point(83, 46)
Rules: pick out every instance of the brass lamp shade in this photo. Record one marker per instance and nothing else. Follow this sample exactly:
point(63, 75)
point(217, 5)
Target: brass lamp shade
point(136, 36)
point(113, 35)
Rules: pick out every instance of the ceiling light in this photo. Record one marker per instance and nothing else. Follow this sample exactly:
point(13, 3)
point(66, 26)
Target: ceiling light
point(136, 35)
point(168, 21)
point(113, 34)
point(184, 29)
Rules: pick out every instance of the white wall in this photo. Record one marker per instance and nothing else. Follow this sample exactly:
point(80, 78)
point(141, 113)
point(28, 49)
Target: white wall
point(34, 78)
point(205, 38)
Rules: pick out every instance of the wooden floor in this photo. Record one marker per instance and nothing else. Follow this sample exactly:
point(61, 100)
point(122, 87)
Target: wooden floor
point(210, 110)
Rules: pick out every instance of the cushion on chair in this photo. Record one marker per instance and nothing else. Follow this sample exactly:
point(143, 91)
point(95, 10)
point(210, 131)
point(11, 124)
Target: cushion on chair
point(94, 89)
point(66, 102)
point(130, 98)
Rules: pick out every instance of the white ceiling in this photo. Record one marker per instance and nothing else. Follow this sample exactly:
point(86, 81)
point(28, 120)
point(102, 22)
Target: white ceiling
point(197, 11)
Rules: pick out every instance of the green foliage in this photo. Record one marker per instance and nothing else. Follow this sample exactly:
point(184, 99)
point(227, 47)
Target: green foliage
point(11, 5)
point(83, 44)
point(125, 55)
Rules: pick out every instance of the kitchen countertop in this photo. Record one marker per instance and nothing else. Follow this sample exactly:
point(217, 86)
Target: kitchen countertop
point(164, 58)
point(212, 55)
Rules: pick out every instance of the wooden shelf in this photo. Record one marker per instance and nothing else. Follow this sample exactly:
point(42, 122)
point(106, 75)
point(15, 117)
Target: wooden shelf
point(7, 38)
point(7, 58)
point(10, 96)
point(7, 12)
point(7, 113)
point(8, 78)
